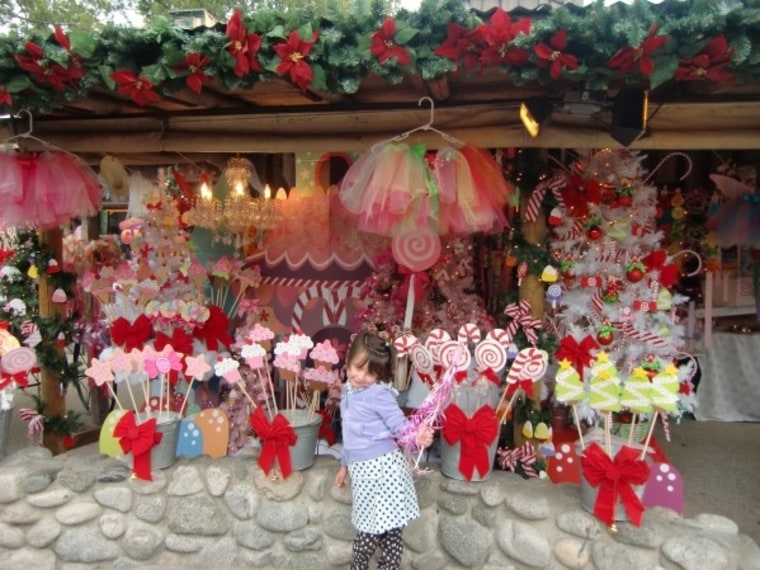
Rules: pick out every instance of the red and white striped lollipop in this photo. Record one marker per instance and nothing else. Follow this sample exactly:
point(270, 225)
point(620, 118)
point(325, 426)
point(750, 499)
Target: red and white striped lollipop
point(501, 336)
point(491, 354)
point(469, 333)
point(421, 359)
point(404, 344)
point(455, 354)
point(433, 342)
point(530, 364)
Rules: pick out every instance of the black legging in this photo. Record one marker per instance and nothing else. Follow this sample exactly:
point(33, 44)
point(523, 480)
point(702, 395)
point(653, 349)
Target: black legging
point(365, 545)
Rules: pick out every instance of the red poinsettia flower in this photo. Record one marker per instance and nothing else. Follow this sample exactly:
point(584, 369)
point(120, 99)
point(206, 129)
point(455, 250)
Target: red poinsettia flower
point(627, 59)
point(293, 62)
point(551, 55)
point(139, 89)
point(497, 34)
point(193, 65)
point(244, 47)
point(461, 43)
point(709, 64)
point(384, 45)
point(49, 72)
point(5, 99)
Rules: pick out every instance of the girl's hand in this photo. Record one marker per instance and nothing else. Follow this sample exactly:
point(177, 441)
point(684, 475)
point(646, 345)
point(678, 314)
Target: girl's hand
point(340, 476)
point(425, 436)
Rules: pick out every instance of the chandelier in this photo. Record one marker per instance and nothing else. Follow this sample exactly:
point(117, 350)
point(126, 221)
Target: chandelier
point(239, 219)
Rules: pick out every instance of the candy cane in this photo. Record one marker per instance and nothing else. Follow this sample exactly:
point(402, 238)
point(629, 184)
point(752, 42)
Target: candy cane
point(647, 337)
point(533, 206)
point(469, 333)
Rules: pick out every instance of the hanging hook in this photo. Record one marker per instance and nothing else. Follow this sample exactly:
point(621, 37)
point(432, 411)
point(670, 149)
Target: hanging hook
point(432, 110)
point(30, 122)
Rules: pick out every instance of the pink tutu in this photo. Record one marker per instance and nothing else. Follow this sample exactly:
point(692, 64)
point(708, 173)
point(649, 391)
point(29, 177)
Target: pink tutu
point(54, 188)
point(737, 221)
point(393, 189)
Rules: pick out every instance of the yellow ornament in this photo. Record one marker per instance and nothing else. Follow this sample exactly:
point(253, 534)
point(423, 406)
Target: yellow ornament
point(542, 432)
point(549, 274)
point(678, 213)
point(527, 430)
point(33, 272)
point(664, 300)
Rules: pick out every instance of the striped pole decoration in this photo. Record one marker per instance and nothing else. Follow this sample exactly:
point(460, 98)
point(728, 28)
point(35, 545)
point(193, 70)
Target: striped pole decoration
point(333, 294)
point(555, 184)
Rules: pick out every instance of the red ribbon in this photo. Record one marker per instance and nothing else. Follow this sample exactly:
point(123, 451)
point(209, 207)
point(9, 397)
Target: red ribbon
point(131, 335)
point(614, 478)
point(215, 330)
point(491, 375)
point(657, 260)
point(326, 431)
point(475, 435)
point(20, 378)
point(526, 384)
point(276, 439)
point(421, 280)
point(139, 439)
point(578, 354)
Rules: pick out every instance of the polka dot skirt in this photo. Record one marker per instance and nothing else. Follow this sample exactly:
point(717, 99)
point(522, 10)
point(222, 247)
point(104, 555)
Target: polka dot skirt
point(383, 493)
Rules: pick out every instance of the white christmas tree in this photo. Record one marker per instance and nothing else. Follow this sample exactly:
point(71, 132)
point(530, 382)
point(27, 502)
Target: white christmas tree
point(616, 279)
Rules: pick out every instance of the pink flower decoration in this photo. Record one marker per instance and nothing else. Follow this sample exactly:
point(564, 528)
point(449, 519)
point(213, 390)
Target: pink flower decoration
point(162, 362)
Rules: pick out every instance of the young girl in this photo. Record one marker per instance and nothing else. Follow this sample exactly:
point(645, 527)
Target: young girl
point(384, 499)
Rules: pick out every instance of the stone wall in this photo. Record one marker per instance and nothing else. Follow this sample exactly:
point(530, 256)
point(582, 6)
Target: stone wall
point(84, 510)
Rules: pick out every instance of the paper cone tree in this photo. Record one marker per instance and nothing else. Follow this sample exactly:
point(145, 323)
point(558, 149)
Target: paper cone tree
point(664, 390)
point(604, 394)
point(636, 392)
point(569, 387)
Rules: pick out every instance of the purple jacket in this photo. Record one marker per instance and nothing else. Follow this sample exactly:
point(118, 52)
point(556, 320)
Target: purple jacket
point(370, 418)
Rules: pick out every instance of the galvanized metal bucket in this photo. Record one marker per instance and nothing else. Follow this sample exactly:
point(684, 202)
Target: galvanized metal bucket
point(302, 454)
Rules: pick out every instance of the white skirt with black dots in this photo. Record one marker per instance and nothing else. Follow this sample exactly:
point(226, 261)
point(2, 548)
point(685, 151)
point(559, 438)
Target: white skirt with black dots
point(383, 493)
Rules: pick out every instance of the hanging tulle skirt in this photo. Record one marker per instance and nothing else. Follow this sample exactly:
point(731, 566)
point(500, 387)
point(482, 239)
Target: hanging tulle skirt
point(395, 188)
point(45, 190)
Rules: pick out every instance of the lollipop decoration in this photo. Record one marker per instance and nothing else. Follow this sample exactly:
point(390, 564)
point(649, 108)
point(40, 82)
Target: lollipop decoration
point(636, 396)
point(570, 390)
point(605, 392)
point(453, 354)
point(491, 358)
point(528, 367)
point(434, 341)
point(664, 394)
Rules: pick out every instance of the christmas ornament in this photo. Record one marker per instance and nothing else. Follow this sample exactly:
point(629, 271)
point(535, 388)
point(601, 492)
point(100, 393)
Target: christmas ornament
point(554, 294)
point(53, 267)
point(634, 271)
point(606, 335)
point(522, 271)
point(33, 272)
point(549, 274)
point(594, 233)
point(556, 216)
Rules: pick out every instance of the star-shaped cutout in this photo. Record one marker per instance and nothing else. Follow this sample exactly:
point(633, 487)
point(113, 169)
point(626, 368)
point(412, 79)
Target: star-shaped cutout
point(670, 369)
point(602, 356)
point(196, 367)
point(565, 364)
point(120, 361)
point(604, 374)
point(99, 371)
point(640, 373)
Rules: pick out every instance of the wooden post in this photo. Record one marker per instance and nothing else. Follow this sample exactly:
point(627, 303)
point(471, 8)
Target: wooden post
point(532, 290)
point(55, 402)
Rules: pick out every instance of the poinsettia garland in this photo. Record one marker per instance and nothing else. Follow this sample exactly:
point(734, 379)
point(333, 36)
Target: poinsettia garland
point(598, 45)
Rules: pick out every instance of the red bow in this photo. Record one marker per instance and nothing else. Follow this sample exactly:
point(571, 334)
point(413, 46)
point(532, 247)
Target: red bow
point(326, 432)
point(615, 478)
point(579, 194)
point(476, 434)
point(276, 439)
point(526, 384)
point(657, 260)
point(215, 330)
point(521, 316)
point(20, 378)
point(131, 335)
point(139, 439)
point(578, 354)
point(491, 375)
point(421, 280)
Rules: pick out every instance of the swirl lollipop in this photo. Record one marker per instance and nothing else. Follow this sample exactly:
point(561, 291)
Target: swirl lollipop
point(404, 344)
point(18, 359)
point(422, 361)
point(491, 354)
point(455, 355)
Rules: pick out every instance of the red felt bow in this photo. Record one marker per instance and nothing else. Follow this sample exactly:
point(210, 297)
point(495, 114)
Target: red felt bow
point(421, 280)
point(578, 354)
point(657, 260)
point(614, 478)
point(526, 384)
point(276, 439)
point(326, 431)
point(20, 378)
point(475, 435)
point(490, 375)
point(131, 335)
point(139, 439)
point(215, 330)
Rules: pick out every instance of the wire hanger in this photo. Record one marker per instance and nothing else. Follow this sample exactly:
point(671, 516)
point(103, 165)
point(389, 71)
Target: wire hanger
point(427, 127)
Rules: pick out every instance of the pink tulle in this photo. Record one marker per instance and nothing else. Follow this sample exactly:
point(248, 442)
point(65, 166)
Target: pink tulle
point(737, 222)
point(48, 189)
point(393, 189)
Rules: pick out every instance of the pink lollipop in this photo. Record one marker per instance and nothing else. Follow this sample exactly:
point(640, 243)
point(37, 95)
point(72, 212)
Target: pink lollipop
point(469, 333)
point(491, 354)
point(404, 344)
point(422, 360)
point(19, 359)
point(455, 355)
point(501, 336)
point(416, 249)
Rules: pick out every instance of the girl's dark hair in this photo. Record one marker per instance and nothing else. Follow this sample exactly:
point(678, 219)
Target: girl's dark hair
point(377, 352)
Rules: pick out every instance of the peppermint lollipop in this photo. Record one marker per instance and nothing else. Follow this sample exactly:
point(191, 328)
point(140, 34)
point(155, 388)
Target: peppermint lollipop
point(501, 336)
point(404, 344)
point(422, 361)
point(455, 355)
point(18, 359)
point(433, 342)
point(469, 333)
point(491, 354)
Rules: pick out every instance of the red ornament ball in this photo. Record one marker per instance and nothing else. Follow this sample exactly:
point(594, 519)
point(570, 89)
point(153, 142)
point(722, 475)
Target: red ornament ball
point(594, 233)
point(625, 200)
point(605, 338)
point(634, 275)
